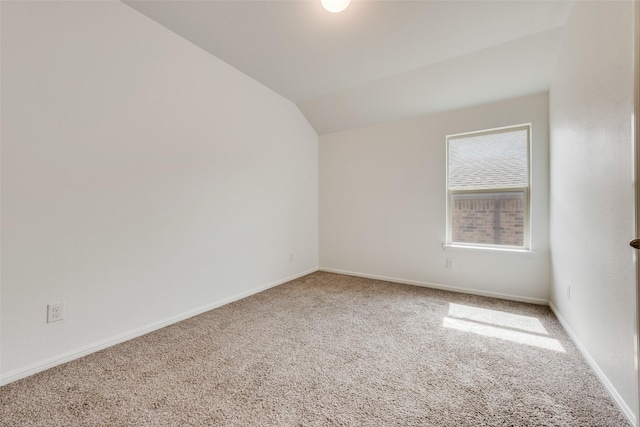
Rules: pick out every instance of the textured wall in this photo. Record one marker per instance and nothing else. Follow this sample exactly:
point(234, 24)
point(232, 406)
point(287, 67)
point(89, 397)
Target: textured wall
point(592, 189)
point(142, 180)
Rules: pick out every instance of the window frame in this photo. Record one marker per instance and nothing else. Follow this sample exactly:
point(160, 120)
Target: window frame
point(526, 244)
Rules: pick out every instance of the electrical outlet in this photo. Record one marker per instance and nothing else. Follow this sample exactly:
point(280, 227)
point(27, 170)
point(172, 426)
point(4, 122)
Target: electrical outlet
point(569, 292)
point(449, 263)
point(55, 312)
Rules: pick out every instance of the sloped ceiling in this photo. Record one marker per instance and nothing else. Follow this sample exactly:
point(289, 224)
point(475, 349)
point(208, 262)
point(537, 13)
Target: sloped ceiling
point(378, 60)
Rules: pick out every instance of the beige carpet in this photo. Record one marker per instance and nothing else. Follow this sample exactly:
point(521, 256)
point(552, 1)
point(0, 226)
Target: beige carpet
point(329, 350)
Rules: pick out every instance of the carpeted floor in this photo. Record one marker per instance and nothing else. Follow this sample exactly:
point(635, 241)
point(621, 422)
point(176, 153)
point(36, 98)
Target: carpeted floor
point(328, 350)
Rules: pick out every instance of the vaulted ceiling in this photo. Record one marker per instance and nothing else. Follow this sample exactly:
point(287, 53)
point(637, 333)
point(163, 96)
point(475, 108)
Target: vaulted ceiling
point(378, 60)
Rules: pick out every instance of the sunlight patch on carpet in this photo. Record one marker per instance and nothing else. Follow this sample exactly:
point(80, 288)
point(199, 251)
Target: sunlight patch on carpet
point(497, 324)
point(497, 318)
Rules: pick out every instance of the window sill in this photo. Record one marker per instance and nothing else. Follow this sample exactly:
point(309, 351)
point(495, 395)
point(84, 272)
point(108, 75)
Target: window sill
point(488, 249)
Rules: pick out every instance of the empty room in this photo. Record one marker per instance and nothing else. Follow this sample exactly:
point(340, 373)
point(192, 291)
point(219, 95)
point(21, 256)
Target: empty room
point(287, 213)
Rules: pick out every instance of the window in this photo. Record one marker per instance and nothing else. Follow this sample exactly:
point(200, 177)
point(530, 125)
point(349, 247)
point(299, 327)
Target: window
point(488, 188)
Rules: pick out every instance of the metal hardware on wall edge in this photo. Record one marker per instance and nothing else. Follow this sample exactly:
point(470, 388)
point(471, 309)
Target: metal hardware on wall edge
point(635, 243)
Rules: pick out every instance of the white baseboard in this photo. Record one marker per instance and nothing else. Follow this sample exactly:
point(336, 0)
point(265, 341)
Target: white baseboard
point(530, 300)
point(592, 363)
point(601, 376)
point(92, 348)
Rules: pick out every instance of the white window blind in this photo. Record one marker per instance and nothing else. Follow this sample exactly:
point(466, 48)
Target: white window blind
point(488, 187)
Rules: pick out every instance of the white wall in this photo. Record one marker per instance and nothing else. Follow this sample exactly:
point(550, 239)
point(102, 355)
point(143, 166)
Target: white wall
point(383, 196)
point(592, 193)
point(143, 180)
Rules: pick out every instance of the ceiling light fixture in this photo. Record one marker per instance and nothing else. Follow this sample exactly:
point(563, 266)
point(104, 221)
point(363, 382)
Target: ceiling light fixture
point(335, 6)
